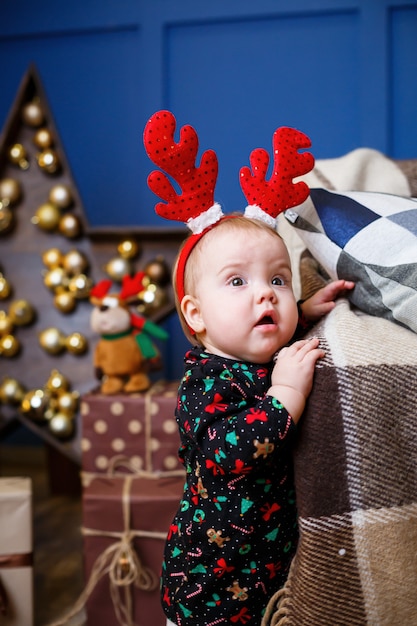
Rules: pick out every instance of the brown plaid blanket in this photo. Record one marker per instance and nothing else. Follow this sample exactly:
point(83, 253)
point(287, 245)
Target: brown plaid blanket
point(356, 481)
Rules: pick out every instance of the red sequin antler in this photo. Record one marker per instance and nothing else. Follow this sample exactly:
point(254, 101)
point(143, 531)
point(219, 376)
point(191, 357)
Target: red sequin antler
point(268, 198)
point(132, 286)
point(195, 204)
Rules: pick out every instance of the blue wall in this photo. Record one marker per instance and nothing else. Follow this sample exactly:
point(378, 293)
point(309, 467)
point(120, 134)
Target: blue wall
point(342, 71)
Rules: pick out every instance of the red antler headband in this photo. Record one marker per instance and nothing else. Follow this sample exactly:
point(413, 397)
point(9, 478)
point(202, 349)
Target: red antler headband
point(195, 206)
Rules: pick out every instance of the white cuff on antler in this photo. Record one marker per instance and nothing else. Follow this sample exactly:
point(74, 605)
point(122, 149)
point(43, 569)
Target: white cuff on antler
point(254, 212)
point(206, 219)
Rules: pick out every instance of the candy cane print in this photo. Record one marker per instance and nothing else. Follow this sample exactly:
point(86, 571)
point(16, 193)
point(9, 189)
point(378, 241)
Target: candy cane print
point(287, 427)
point(197, 592)
point(239, 388)
point(197, 553)
point(261, 584)
point(231, 483)
point(245, 531)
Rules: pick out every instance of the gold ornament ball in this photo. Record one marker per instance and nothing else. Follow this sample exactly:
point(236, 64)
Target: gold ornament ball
point(61, 425)
point(6, 219)
point(52, 258)
point(21, 312)
point(160, 297)
point(49, 413)
point(57, 383)
point(75, 262)
point(61, 196)
point(117, 268)
point(43, 138)
point(35, 403)
point(10, 191)
point(56, 279)
point(47, 217)
point(5, 288)
point(158, 271)
point(48, 161)
point(32, 114)
point(76, 343)
point(18, 156)
point(153, 298)
point(6, 324)
point(52, 340)
point(67, 402)
point(65, 302)
point(11, 391)
point(80, 286)
point(70, 226)
point(9, 345)
point(128, 249)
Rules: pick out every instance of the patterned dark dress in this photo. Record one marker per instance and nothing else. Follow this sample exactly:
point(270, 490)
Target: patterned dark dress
point(234, 535)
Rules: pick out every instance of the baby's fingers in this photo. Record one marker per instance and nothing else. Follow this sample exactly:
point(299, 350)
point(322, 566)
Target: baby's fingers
point(304, 346)
point(310, 350)
point(299, 349)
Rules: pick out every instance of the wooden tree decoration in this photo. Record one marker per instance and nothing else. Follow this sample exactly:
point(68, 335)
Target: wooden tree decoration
point(50, 259)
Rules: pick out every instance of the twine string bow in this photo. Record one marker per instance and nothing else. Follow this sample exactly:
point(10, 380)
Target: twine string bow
point(120, 560)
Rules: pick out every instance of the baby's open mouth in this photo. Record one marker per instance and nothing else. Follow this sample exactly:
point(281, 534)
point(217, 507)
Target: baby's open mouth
point(266, 319)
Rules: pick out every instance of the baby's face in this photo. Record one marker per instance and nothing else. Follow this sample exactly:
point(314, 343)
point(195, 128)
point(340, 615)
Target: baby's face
point(244, 306)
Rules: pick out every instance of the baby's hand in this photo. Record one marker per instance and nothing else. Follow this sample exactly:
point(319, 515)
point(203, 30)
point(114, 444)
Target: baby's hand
point(292, 376)
point(323, 301)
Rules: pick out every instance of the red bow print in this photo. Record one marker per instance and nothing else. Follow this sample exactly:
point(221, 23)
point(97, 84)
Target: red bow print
point(273, 568)
point(216, 469)
point(223, 568)
point(173, 529)
point(166, 597)
point(241, 468)
point(216, 404)
point(268, 509)
point(242, 617)
point(256, 415)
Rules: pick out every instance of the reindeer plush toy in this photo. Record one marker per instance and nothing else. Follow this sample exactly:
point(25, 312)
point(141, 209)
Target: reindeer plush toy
point(125, 351)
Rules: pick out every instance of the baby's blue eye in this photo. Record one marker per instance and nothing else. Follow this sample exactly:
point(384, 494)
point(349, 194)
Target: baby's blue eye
point(278, 281)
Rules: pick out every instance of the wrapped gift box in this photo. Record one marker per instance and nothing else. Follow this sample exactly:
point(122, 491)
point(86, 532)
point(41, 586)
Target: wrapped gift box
point(16, 546)
point(125, 518)
point(141, 427)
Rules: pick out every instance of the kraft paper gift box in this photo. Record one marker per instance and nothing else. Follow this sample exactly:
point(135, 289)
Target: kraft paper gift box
point(16, 546)
point(141, 427)
point(126, 519)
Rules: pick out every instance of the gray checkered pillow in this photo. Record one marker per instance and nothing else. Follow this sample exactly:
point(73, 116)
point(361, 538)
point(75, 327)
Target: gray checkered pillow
point(370, 238)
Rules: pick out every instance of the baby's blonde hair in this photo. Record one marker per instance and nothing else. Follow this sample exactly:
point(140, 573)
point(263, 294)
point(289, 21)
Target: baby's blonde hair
point(193, 265)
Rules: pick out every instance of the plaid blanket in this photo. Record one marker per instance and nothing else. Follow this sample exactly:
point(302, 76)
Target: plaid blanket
point(356, 481)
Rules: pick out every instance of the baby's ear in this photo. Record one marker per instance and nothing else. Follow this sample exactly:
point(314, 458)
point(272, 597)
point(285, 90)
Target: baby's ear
point(190, 308)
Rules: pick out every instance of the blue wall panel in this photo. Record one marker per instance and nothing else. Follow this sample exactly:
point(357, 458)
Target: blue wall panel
point(90, 79)
point(238, 81)
point(403, 138)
